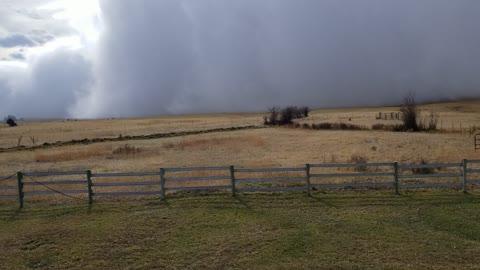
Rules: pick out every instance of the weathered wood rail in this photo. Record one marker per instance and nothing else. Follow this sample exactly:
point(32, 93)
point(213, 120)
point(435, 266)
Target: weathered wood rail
point(476, 141)
point(388, 175)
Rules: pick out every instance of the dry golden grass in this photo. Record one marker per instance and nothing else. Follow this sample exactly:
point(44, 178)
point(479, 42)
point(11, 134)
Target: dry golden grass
point(205, 143)
point(62, 130)
point(452, 116)
point(69, 155)
point(268, 147)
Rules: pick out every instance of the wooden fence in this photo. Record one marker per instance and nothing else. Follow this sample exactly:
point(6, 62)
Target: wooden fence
point(476, 141)
point(392, 176)
point(389, 116)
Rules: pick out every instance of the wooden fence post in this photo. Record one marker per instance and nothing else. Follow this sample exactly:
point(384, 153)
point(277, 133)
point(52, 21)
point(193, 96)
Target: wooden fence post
point(20, 189)
point(308, 180)
point(89, 186)
point(395, 183)
point(464, 172)
point(162, 183)
point(232, 178)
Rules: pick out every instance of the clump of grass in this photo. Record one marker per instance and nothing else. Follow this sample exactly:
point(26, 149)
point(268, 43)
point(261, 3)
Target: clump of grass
point(126, 150)
point(423, 170)
point(359, 159)
point(333, 158)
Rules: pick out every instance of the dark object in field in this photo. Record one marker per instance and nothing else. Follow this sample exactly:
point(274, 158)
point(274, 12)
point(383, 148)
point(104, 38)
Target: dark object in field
point(11, 122)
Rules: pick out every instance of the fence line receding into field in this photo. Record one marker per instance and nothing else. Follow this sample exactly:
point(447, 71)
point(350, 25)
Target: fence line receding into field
point(386, 175)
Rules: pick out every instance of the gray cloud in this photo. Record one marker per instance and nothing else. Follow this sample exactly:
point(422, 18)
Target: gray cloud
point(212, 55)
point(171, 56)
point(48, 88)
point(16, 40)
point(17, 56)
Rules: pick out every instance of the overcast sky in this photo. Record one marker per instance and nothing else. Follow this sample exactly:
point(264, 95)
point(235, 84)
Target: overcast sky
point(123, 58)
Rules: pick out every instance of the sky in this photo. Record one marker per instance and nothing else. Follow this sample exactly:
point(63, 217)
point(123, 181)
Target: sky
point(122, 58)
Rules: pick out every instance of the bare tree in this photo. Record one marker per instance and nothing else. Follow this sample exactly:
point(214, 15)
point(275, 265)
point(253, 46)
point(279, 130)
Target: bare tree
point(410, 112)
point(33, 139)
point(272, 117)
point(305, 111)
point(287, 115)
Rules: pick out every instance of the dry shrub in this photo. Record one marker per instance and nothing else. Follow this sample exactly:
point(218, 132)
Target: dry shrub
point(333, 158)
point(285, 116)
point(359, 159)
point(410, 112)
point(429, 123)
point(423, 170)
point(127, 150)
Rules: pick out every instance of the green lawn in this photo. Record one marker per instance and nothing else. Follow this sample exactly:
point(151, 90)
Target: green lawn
point(375, 230)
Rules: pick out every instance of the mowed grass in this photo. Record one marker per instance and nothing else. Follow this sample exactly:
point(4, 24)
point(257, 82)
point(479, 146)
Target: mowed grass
point(375, 230)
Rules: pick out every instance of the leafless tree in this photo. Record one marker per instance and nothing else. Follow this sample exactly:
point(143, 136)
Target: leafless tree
point(273, 116)
point(410, 112)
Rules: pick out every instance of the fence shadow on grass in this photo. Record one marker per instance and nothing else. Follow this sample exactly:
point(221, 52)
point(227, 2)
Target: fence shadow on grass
point(247, 201)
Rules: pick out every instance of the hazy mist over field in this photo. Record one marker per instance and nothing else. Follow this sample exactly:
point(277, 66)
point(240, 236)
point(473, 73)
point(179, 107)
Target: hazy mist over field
point(118, 58)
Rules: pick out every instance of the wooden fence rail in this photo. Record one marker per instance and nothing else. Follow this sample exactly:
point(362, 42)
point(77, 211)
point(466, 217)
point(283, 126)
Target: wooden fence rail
point(313, 176)
point(476, 141)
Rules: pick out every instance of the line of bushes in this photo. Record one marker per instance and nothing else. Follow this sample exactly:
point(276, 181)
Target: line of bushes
point(347, 126)
point(279, 117)
point(411, 119)
point(327, 125)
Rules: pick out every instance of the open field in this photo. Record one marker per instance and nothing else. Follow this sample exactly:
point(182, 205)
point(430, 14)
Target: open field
point(62, 130)
point(331, 230)
point(264, 147)
point(454, 115)
point(375, 230)
point(269, 147)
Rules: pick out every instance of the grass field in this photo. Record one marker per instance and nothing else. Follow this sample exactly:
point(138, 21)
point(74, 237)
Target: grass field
point(374, 230)
point(334, 230)
point(454, 116)
point(262, 147)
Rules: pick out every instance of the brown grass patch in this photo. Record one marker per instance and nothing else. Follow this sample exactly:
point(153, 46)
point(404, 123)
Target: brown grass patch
point(206, 143)
point(126, 150)
point(69, 155)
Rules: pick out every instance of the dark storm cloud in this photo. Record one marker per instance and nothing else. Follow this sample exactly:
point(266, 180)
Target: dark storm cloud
point(173, 56)
point(188, 56)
